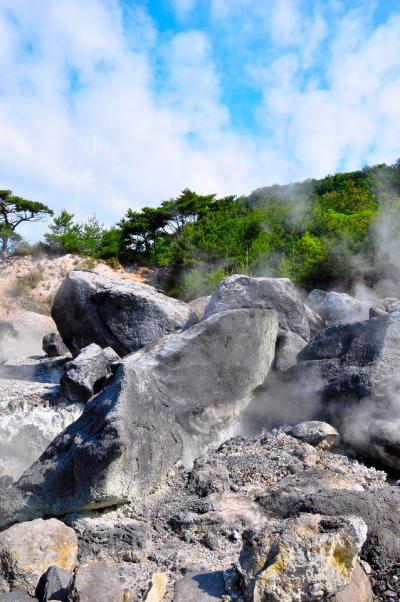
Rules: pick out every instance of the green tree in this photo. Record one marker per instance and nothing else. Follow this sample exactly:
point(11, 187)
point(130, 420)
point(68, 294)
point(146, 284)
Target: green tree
point(15, 210)
point(91, 237)
point(65, 235)
point(185, 208)
point(142, 230)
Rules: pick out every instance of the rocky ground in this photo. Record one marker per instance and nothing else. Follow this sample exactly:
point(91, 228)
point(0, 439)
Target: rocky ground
point(120, 478)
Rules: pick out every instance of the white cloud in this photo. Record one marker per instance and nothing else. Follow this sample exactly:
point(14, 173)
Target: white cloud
point(184, 7)
point(347, 114)
point(111, 144)
point(87, 121)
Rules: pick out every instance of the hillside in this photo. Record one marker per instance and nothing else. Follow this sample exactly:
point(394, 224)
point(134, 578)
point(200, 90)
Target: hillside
point(331, 232)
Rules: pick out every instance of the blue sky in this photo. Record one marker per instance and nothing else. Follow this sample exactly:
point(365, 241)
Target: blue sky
point(110, 104)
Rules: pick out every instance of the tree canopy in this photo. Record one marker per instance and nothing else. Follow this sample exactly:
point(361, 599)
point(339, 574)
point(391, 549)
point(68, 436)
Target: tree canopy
point(317, 232)
point(14, 211)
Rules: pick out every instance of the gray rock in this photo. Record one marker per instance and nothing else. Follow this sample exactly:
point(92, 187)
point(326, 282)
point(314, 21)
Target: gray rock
point(90, 308)
point(338, 308)
point(197, 309)
point(303, 558)
point(208, 477)
point(5, 481)
point(353, 361)
point(96, 581)
point(288, 347)
point(315, 432)
point(376, 311)
point(278, 293)
point(221, 512)
point(29, 549)
point(188, 387)
point(53, 345)
point(314, 319)
point(87, 374)
point(383, 442)
point(379, 509)
point(100, 537)
point(54, 585)
point(200, 587)
point(17, 595)
point(389, 303)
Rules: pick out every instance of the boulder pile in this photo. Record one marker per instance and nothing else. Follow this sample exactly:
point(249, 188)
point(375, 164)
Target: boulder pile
point(159, 494)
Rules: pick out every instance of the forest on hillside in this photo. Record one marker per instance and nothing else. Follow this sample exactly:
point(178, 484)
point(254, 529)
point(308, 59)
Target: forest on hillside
point(339, 229)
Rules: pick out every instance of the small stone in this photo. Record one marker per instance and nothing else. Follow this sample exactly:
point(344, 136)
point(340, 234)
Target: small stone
point(158, 588)
point(316, 433)
point(53, 345)
point(211, 541)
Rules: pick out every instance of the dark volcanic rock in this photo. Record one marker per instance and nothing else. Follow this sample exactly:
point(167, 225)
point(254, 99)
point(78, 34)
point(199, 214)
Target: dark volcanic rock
point(122, 539)
point(97, 581)
point(189, 387)
point(379, 509)
point(87, 373)
point(354, 361)
point(277, 293)
point(53, 345)
point(54, 585)
point(90, 308)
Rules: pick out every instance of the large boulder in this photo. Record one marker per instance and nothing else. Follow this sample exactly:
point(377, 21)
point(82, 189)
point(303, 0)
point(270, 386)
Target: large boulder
point(304, 558)
point(338, 308)
point(277, 293)
point(379, 508)
point(90, 308)
point(168, 401)
point(87, 373)
point(354, 361)
point(27, 550)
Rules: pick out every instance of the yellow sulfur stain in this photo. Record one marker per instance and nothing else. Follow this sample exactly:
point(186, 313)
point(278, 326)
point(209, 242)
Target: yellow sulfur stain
point(279, 566)
point(343, 559)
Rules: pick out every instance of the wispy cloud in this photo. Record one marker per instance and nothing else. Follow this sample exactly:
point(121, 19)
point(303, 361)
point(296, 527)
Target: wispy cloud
point(101, 109)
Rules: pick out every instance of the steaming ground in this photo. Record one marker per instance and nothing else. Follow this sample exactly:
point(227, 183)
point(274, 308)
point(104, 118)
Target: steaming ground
point(29, 416)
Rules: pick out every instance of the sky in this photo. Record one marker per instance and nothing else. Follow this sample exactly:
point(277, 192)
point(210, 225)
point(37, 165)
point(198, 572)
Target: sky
point(107, 105)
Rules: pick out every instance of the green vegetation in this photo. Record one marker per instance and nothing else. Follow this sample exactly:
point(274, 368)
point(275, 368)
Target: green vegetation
point(15, 210)
point(27, 282)
point(317, 232)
